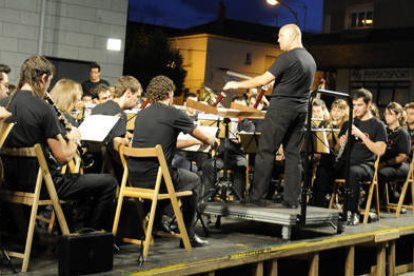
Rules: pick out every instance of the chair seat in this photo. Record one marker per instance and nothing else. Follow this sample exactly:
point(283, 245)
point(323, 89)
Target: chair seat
point(149, 193)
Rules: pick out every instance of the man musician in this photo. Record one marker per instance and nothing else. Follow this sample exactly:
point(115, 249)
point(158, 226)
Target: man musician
point(36, 122)
point(369, 138)
point(293, 73)
point(160, 123)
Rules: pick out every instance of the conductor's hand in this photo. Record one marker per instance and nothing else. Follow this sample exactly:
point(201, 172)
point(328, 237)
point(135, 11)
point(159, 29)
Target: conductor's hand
point(231, 85)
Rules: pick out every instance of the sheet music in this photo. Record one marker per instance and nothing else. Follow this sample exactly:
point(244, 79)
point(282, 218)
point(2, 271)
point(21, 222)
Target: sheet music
point(209, 130)
point(97, 127)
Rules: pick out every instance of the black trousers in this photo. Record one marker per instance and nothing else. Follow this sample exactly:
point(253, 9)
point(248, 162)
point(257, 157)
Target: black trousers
point(389, 174)
point(357, 174)
point(283, 124)
point(100, 187)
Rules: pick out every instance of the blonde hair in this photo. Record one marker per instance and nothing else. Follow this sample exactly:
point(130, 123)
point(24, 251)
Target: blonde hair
point(65, 94)
point(123, 83)
point(342, 105)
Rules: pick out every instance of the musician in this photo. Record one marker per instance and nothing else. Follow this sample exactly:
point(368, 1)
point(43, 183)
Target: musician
point(393, 165)
point(94, 80)
point(368, 141)
point(409, 109)
point(325, 172)
point(4, 80)
point(160, 123)
point(126, 93)
point(36, 122)
point(67, 94)
point(103, 94)
point(293, 72)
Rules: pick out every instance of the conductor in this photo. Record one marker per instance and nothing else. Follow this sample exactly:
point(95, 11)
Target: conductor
point(293, 73)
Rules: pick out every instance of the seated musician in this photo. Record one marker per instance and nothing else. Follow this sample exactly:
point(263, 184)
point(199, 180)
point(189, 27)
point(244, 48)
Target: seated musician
point(325, 172)
point(36, 122)
point(409, 109)
point(126, 92)
point(237, 161)
point(393, 164)
point(368, 141)
point(160, 123)
point(67, 94)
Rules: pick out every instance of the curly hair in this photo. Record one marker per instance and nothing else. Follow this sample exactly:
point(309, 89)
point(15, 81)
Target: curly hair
point(159, 88)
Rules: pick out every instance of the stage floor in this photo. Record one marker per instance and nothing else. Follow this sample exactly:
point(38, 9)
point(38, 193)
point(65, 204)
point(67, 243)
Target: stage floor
point(234, 240)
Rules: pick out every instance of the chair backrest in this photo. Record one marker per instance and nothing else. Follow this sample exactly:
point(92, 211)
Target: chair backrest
point(5, 129)
point(157, 152)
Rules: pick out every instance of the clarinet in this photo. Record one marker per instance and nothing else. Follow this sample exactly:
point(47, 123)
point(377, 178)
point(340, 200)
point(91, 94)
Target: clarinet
point(342, 148)
point(65, 123)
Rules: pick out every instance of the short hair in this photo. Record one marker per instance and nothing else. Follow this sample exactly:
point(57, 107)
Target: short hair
point(65, 94)
point(98, 89)
point(159, 88)
point(94, 65)
point(31, 71)
point(123, 84)
point(240, 98)
point(4, 68)
point(363, 93)
point(192, 95)
point(409, 105)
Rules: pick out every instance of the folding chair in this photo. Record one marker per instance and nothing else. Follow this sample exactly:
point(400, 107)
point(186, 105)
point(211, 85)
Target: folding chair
point(151, 194)
point(32, 199)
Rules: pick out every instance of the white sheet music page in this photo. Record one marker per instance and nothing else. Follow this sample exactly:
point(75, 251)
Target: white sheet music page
point(97, 127)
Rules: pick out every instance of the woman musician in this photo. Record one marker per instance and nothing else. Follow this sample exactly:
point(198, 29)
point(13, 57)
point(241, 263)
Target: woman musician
point(325, 171)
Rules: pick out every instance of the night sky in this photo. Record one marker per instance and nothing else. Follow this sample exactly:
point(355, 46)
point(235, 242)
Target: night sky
point(187, 13)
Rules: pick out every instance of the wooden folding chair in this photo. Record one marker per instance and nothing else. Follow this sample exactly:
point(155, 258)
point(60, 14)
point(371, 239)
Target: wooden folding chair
point(151, 194)
point(408, 181)
point(373, 188)
point(32, 199)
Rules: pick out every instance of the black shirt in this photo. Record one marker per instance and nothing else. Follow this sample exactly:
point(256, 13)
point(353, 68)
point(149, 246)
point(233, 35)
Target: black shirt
point(88, 87)
point(294, 71)
point(35, 122)
point(375, 130)
point(398, 142)
point(111, 108)
point(157, 124)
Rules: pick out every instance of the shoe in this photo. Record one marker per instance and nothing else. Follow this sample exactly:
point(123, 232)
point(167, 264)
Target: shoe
point(353, 219)
point(289, 205)
point(195, 241)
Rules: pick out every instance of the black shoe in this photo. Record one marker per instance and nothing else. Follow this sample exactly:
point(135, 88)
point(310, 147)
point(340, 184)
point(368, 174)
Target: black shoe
point(195, 241)
point(289, 205)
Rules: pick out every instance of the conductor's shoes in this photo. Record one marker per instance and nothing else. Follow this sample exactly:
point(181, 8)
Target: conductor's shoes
point(195, 241)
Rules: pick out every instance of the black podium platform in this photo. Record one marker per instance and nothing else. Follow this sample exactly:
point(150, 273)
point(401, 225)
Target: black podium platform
point(275, 214)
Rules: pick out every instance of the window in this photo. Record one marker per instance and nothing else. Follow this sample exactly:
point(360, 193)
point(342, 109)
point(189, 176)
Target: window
point(360, 16)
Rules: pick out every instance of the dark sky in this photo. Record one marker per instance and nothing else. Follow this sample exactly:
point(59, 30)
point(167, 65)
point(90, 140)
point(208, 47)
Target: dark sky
point(187, 13)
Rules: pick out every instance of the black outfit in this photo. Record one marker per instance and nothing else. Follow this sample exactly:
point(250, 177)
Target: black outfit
point(362, 159)
point(88, 87)
point(294, 72)
point(411, 133)
point(36, 122)
point(398, 142)
point(111, 108)
point(161, 124)
point(237, 162)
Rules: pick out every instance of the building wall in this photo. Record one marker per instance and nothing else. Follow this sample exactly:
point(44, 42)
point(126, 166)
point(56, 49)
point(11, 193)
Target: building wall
point(387, 14)
point(74, 29)
point(208, 57)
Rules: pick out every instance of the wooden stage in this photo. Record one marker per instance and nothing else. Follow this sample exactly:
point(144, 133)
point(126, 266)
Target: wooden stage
point(246, 247)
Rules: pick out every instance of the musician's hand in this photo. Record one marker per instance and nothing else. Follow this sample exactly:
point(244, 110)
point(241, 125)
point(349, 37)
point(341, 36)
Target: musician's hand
point(231, 85)
point(74, 134)
point(4, 113)
point(357, 132)
point(280, 157)
point(214, 143)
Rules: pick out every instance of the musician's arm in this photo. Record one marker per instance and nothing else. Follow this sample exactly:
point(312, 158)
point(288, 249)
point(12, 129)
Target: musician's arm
point(377, 148)
point(64, 151)
point(181, 144)
point(261, 80)
point(203, 137)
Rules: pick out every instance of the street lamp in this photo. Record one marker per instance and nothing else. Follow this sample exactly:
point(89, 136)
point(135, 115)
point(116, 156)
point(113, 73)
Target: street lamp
point(292, 11)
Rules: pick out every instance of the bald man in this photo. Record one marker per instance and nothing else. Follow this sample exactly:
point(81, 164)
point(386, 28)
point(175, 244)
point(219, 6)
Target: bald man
point(293, 73)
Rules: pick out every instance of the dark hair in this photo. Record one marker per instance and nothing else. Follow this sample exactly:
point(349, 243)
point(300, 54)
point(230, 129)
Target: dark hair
point(397, 109)
point(240, 98)
point(100, 87)
point(95, 65)
point(31, 71)
point(192, 95)
point(363, 93)
point(159, 88)
point(4, 68)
